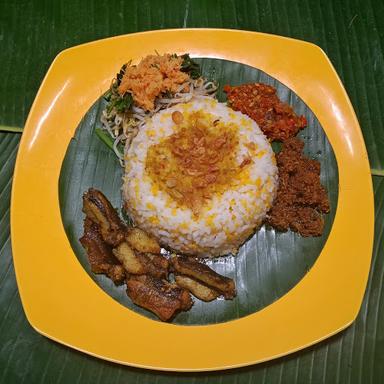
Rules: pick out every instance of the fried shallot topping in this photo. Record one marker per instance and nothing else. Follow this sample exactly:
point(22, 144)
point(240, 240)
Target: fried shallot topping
point(197, 161)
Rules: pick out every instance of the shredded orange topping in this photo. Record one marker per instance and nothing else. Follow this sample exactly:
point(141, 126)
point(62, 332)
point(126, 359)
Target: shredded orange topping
point(197, 161)
point(154, 75)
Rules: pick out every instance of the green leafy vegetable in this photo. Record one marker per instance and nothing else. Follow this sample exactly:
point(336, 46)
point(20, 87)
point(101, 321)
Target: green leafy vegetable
point(120, 103)
point(120, 75)
point(123, 103)
point(191, 67)
point(107, 96)
point(104, 137)
point(115, 101)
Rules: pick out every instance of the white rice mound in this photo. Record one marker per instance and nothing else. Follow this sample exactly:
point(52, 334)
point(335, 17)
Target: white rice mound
point(230, 217)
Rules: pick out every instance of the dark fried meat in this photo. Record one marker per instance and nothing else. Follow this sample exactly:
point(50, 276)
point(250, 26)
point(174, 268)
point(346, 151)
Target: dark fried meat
point(133, 255)
point(141, 241)
point(197, 289)
point(100, 254)
point(117, 274)
point(190, 267)
point(97, 207)
point(158, 296)
point(301, 199)
point(156, 265)
point(307, 221)
point(140, 263)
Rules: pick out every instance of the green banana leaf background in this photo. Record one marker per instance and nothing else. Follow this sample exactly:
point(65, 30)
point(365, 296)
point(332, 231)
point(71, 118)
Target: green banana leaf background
point(267, 266)
point(350, 32)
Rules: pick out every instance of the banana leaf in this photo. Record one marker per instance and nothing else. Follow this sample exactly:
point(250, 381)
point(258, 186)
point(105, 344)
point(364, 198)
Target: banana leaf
point(266, 267)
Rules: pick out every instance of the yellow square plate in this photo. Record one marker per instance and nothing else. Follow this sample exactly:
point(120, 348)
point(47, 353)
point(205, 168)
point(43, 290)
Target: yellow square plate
point(63, 303)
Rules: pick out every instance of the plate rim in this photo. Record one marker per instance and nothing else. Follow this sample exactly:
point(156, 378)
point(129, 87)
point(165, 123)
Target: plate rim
point(36, 121)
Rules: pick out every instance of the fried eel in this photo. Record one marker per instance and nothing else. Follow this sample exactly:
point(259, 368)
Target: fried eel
point(158, 296)
point(97, 208)
point(100, 254)
point(190, 267)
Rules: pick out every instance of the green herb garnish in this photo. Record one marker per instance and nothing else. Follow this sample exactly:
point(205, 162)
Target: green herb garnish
point(190, 66)
point(115, 101)
point(107, 96)
point(123, 103)
point(120, 75)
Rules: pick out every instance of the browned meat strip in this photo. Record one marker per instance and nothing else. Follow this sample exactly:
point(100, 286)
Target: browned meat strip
point(128, 258)
point(100, 254)
point(141, 241)
point(301, 199)
point(141, 263)
point(99, 210)
point(190, 267)
point(156, 265)
point(158, 296)
point(197, 289)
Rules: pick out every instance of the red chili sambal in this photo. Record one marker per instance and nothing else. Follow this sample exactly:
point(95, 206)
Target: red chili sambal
point(259, 101)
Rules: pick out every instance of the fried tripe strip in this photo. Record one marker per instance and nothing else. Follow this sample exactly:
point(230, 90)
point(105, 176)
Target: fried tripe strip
point(141, 241)
point(197, 289)
point(127, 257)
point(139, 263)
point(190, 267)
point(97, 208)
point(158, 296)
